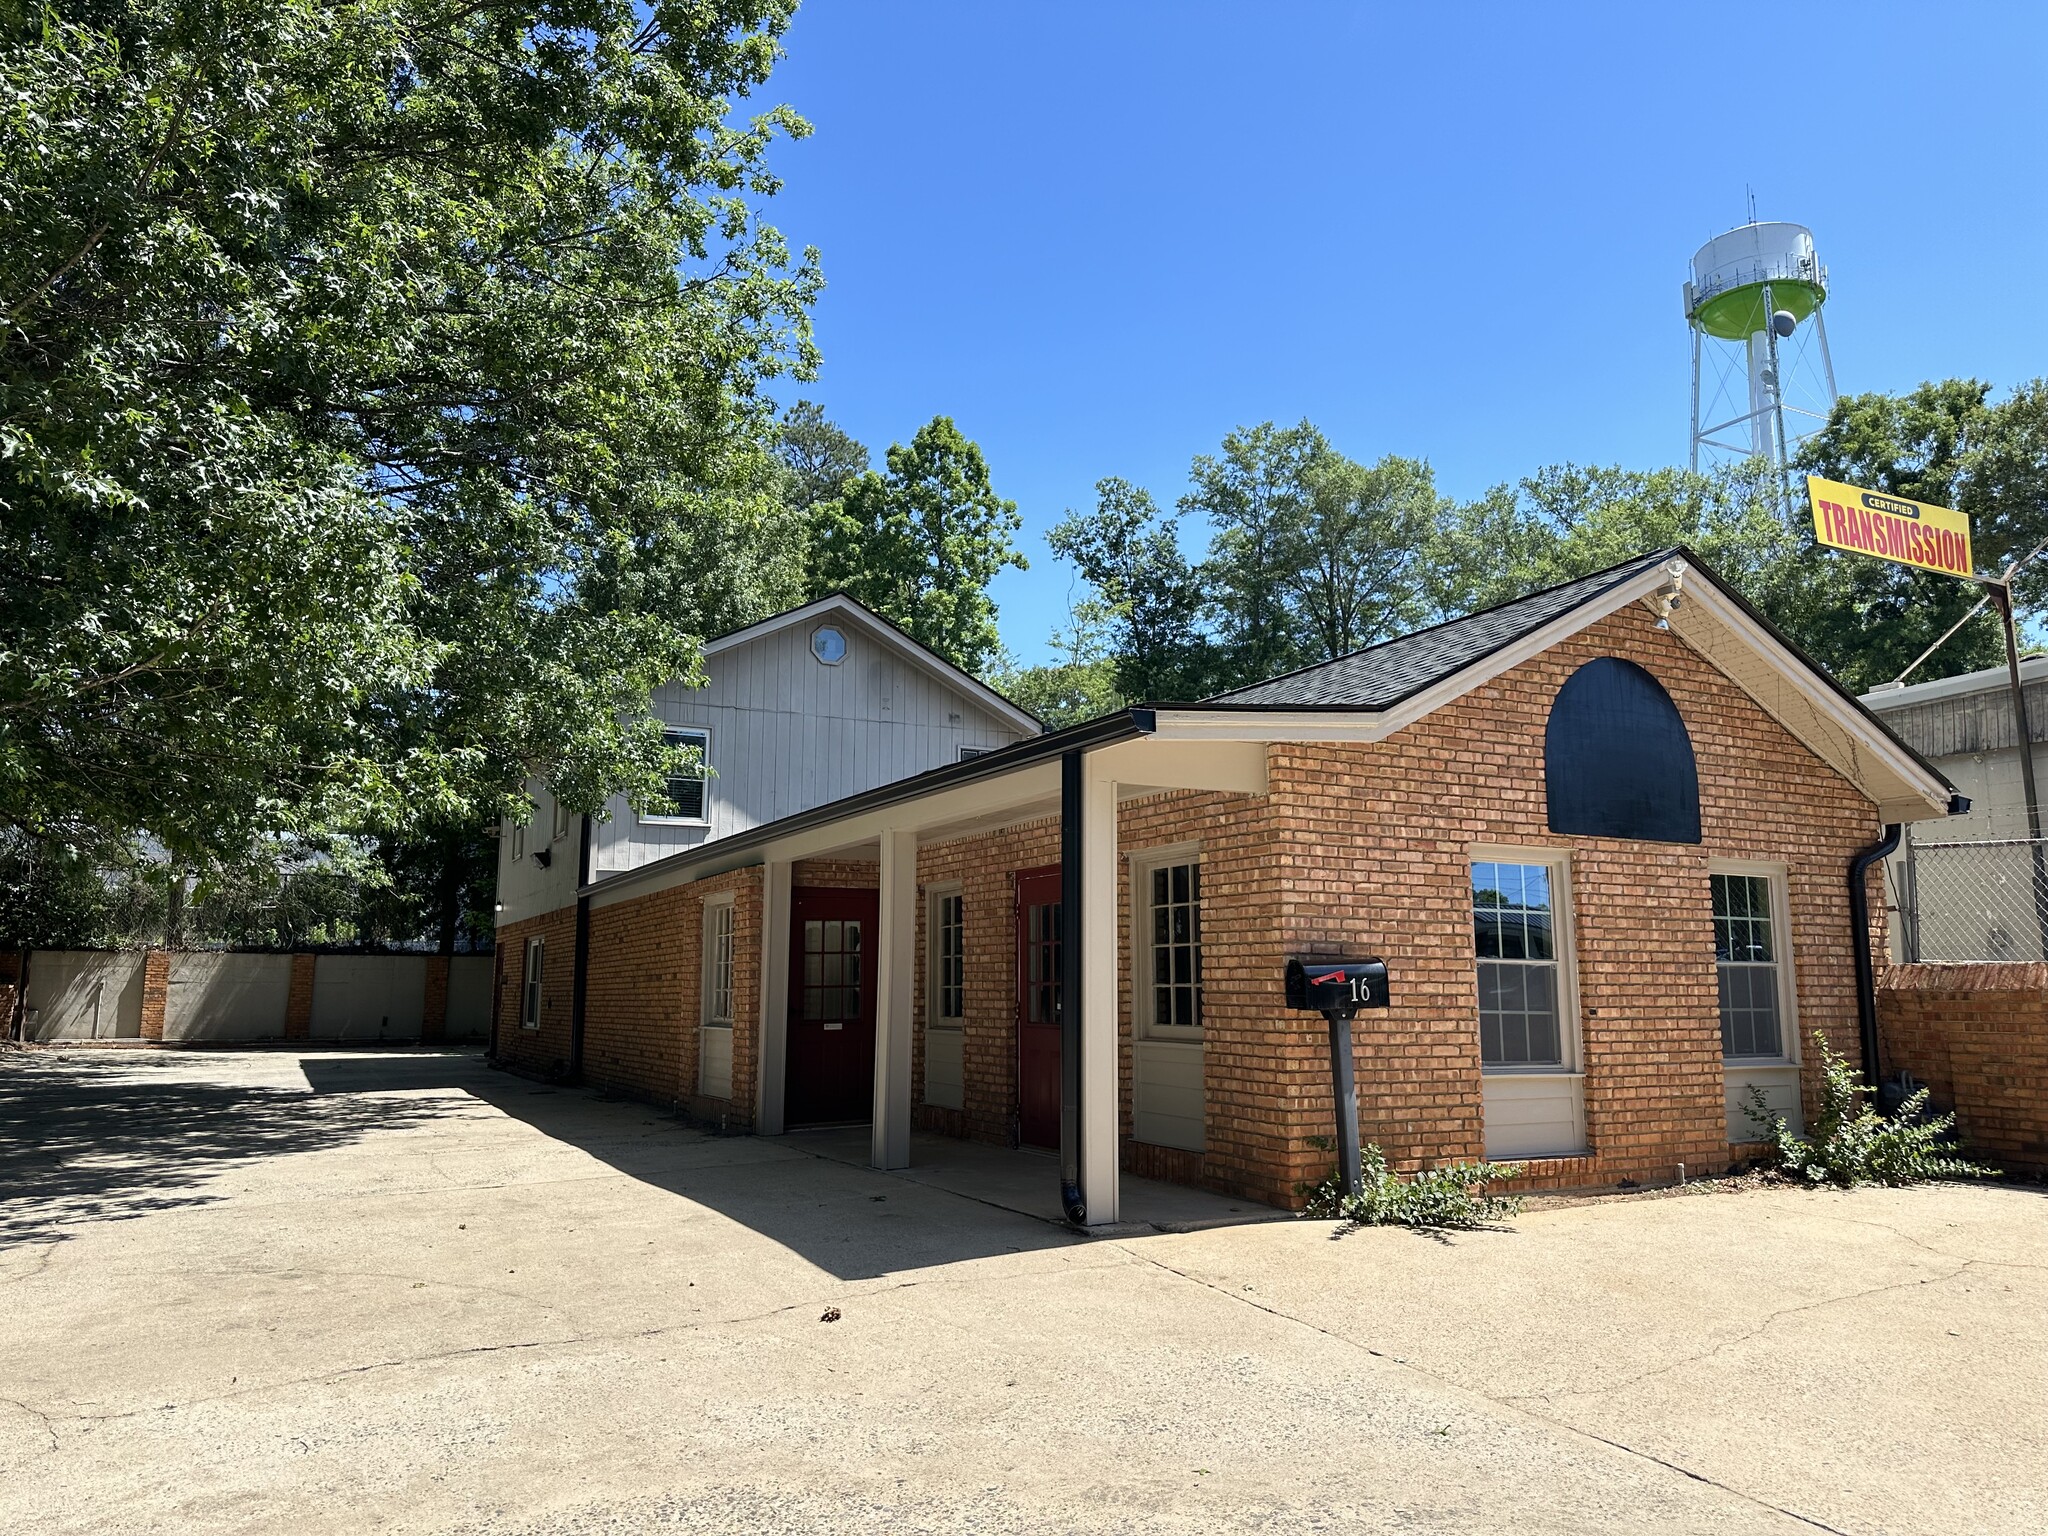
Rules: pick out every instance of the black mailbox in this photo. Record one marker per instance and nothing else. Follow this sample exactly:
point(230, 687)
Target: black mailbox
point(1343, 986)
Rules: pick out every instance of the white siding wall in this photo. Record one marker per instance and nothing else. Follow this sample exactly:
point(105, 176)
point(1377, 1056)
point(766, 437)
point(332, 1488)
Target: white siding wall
point(1534, 1114)
point(525, 889)
point(945, 1067)
point(789, 733)
point(1166, 1093)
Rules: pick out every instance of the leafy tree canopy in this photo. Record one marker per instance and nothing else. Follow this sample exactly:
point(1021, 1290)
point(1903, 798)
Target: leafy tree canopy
point(379, 403)
point(920, 543)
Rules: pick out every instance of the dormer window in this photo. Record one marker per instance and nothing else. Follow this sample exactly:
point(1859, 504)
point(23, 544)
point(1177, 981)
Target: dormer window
point(828, 644)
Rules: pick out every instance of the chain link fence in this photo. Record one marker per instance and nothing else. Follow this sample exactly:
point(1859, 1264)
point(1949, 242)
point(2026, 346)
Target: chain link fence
point(1960, 902)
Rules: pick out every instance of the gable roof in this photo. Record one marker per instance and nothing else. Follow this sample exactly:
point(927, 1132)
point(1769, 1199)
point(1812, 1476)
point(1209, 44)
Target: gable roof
point(837, 605)
point(1370, 694)
point(1385, 674)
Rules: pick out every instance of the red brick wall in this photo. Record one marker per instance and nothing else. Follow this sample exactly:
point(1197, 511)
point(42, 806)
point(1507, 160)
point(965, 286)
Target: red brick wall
point(642, 1008)
point(544, 1050)
point(1977, 1037)
point(298, 1004)
point(156, 986)
point(1374, 856)
point(434, 1007)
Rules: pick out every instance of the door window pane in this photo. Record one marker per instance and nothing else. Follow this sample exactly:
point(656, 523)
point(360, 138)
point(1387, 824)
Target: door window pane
point(1514, 942)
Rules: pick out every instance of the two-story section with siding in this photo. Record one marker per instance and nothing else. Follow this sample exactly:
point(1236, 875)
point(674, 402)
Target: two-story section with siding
point(798, 710)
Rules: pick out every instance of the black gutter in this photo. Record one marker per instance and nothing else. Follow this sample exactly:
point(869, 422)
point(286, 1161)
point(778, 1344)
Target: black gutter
point(1859, 942)
point(1034, 749)
point(581, 975)
point(1071, 1200)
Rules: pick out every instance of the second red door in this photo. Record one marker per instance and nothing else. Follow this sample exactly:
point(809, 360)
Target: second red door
point(831, 1073)
point(1038, 1007)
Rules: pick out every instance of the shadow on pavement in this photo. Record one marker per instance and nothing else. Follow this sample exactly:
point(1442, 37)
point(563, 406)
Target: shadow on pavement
point(103, 1136)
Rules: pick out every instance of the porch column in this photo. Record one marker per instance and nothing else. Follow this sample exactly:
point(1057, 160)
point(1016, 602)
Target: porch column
point(895, 962)
point(1089, 1119)
point(771, 1058)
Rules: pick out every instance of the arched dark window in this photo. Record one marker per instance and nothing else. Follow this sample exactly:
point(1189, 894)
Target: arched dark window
point(1617, 761)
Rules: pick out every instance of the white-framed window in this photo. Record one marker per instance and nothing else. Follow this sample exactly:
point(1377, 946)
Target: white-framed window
point(1521, 941)
point(946, 957)
point(1166, 904)
point(560, 825)
point(828, 644)
point(718, 964)
point(529, 994)
point(1752, 961)
point(688, 796)
point(518, 841)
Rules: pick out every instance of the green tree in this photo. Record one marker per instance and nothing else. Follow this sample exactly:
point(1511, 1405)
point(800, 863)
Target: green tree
point(920, 544)
point(1132, 558)
point(1255, 495)
point(818, 457)
point(380, 408)
point(1355, 556)
point(1080, 683)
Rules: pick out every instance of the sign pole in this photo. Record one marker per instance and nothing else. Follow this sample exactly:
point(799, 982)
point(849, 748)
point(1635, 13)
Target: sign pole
point(1341, 1080)
point(2001, 597)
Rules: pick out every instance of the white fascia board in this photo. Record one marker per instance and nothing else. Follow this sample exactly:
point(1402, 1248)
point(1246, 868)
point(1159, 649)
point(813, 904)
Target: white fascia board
point(876, 628)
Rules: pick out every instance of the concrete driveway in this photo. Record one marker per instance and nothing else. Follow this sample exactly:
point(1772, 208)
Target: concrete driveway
point(320, 1291)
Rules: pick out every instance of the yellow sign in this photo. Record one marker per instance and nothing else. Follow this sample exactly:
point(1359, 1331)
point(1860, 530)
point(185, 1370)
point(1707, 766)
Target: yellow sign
point(1890, 527)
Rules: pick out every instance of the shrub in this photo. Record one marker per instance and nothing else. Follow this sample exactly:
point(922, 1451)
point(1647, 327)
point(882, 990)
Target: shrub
point(1436, 1198)
point(1852, 1144)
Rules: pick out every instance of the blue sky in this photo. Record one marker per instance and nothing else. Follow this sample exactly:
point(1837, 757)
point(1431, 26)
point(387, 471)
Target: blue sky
point(1100, 236)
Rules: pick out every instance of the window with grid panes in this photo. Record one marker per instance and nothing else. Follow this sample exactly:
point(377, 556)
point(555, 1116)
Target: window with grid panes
point(529, 1002)
point(1513, 915)
point(718, 965)
point(1746, 955)
point(1174, 923)
point(949, 956)
point(686, 789)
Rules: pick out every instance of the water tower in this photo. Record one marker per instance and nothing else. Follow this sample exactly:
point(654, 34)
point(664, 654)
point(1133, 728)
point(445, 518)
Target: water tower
point(1761, 375)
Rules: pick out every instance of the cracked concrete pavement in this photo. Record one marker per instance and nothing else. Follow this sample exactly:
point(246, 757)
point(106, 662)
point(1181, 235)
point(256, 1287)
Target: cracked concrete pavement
point(328, 1291)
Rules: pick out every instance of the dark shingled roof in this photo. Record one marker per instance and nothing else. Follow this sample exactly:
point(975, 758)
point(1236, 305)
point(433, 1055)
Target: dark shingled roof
point(1383, 675)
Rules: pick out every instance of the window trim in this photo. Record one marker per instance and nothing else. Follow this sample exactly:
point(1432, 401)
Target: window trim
point(655, 819)
point(1778, 879)
point(1143, 861)
point(1564, 938)
point(934, 1016)
point(558, 822)
point(707, 970)
point(532, 978)
point(518, 838)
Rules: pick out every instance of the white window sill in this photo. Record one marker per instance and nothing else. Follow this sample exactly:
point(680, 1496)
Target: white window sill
point(1559, 1074)
point(675, 821)
point(718, 1024)
point(1156, 1036)
point(1759, 1064)
point(952, 1026)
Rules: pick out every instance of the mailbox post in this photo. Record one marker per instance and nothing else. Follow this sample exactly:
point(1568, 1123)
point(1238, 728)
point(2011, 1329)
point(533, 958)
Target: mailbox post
point(1337, 989)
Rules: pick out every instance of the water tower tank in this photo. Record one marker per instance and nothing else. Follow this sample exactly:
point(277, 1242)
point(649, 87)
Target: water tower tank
point(1726, 295)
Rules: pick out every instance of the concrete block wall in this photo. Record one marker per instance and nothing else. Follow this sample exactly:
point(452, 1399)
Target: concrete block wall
point(1977, 1037)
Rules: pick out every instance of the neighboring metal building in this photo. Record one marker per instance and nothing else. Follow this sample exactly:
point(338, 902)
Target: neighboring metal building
point(1963, 888)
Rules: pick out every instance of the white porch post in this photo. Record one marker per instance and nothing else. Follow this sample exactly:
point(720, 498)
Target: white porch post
point(895, 962)
point(1101, 1179)
point(771, 1058)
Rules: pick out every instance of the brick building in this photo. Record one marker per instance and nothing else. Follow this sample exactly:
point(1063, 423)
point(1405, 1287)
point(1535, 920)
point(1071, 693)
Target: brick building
point(1602, 838)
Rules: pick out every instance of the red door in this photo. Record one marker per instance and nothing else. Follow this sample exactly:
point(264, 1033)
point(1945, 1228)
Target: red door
point(1038, 1007)
point(831, 1074)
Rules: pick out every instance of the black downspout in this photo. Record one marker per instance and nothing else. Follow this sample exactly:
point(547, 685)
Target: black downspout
point(1070, 989)
point(1859, 943)
point(581, 974)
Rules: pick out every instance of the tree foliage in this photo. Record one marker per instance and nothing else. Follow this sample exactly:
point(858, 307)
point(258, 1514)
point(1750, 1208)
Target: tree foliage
point(1131, 556)
point(379, 403)
point(920, 543)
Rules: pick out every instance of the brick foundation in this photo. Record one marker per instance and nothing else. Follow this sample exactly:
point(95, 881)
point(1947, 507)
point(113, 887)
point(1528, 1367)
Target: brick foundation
point(1977, 1037)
